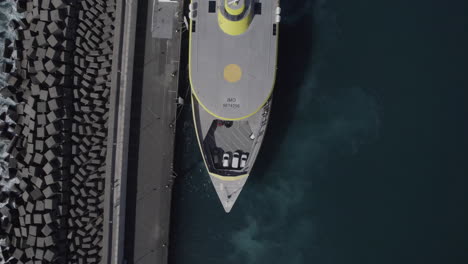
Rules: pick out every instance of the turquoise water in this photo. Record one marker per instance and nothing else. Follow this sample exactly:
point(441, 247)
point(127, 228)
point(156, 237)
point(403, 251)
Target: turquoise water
point(365, 157)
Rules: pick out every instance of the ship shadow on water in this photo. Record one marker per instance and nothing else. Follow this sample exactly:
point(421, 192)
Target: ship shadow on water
point(296, 46)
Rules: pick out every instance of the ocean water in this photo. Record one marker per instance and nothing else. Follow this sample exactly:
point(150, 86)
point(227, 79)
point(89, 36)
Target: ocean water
point(365, 156)
point(7, 13)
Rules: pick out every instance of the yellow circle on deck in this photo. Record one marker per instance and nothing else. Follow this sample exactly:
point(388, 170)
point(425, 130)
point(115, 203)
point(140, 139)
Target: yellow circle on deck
point(232, 73)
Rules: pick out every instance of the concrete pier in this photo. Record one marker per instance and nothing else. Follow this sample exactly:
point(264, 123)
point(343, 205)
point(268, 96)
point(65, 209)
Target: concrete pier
point(152, 134)
point(118, 132)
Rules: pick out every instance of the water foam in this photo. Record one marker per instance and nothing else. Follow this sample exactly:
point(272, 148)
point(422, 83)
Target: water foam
point(7, 13)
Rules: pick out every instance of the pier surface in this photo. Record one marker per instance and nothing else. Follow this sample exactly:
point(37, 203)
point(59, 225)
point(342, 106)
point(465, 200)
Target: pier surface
point(152, 132)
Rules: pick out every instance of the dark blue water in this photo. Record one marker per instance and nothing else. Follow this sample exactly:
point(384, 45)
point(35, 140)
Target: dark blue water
point(365, 160)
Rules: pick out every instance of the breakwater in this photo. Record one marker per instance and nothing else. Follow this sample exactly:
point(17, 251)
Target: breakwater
point(58, 74)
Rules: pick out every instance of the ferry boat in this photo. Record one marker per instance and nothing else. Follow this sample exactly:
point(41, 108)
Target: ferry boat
point(232, 68)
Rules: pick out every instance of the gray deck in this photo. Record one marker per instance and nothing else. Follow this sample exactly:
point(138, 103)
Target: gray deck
point(234, 138)
point(254, 51)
